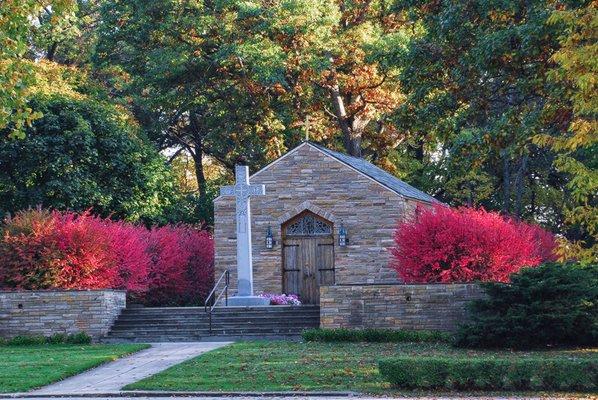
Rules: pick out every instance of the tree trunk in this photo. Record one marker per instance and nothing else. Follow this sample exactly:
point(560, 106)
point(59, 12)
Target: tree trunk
point(470, 194)
point(506, 182)
point(419, 150)
point(519, 186)
point(353, 145)
point(351, 136)
point(51, 53)
point(199, 171)
point(198, 154)
point(351, 141)
point(533, 196)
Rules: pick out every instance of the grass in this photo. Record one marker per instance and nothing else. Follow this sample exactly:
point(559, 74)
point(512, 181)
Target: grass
point(299, 366)
point(27, 367)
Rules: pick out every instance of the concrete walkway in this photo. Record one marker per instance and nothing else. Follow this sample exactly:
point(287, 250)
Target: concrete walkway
point(111, 377)
point(121, 396)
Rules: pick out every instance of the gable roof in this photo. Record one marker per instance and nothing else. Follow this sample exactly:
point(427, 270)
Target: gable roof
point(378, 174)
point(360, 165)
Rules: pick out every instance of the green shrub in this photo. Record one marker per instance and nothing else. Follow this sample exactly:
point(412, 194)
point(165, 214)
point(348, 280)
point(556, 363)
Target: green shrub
point(373, 335)
point(23, 340)
point(552, 305)
point(58, 338)
point(489, 373)
point(78, 338)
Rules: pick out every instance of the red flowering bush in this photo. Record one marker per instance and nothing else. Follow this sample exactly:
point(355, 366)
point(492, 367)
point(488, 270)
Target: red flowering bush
point(129, 251)
point(463, 245)
point(84, 258)
point(26, 250)
point(181, 271)
point(53, 250)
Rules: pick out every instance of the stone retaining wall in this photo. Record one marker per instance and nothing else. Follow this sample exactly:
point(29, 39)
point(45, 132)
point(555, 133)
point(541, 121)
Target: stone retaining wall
point(66, 311)
point(433, 307)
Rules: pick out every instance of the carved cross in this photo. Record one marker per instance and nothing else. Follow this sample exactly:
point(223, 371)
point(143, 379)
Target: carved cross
point(242, 191)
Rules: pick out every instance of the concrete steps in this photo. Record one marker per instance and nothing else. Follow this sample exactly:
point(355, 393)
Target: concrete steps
point(166, 324)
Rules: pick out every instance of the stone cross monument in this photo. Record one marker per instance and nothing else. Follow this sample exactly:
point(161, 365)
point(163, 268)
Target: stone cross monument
point(242, 191)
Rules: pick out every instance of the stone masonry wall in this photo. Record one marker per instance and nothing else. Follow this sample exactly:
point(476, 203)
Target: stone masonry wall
point(432, 307)
point(309, 179)
point(48, 312)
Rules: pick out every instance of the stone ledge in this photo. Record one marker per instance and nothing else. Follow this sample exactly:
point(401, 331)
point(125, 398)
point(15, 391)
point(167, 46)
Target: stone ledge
point(62, 291)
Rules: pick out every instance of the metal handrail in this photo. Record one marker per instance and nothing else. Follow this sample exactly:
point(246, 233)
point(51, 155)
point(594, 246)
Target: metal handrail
point(209, 308)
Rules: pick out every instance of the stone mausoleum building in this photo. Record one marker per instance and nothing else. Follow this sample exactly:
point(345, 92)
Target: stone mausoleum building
point(331, 218)
point(322, 231)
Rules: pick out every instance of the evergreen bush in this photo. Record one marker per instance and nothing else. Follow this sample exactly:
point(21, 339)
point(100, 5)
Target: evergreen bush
point(78, 338)
point(552, 305)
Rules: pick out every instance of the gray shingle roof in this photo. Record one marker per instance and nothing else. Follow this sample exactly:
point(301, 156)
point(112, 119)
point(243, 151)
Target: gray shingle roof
point(379, 175)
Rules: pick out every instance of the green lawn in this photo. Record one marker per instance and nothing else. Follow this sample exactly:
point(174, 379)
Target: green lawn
point(274, 366)
point(26, 367)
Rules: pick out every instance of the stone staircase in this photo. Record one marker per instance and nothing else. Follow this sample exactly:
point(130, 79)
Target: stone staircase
point(170, 324)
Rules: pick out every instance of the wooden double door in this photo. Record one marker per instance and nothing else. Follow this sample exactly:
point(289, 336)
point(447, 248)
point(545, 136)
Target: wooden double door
point(308, 262)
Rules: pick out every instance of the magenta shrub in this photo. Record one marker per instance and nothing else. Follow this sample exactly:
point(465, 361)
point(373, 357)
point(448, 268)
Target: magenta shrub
point(171, 265)
point(181, 271)
point(444, 245)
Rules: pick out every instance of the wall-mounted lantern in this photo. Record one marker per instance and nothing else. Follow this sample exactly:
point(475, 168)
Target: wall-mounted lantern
point(270, 242)
point(342, 236)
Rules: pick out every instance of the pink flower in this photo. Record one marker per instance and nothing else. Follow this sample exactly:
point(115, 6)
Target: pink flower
point(282, 299)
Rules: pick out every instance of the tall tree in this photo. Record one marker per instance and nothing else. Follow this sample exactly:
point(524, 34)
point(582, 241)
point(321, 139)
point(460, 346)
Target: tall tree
point(182, 84)
point(574, 108)
point(244, 81)
point(67, 38)
point(16, 74)
point(475, 79)
point(84, 154)
point(327, 71)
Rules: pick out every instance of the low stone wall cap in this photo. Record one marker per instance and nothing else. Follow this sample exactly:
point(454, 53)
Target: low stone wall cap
point(404, 284)
point(61, 290)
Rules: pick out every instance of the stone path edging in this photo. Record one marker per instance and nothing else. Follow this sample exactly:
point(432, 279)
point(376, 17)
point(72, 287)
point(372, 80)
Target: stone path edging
point(134, 395)
point(161, 394)
point(113, 376)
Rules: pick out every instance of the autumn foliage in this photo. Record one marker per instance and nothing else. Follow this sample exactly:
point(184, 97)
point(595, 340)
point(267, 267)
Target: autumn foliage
point(63, 250)
point(182, 265)
point(446, 245)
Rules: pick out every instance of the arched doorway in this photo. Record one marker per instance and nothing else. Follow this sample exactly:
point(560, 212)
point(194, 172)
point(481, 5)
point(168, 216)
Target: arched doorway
point(308, 256)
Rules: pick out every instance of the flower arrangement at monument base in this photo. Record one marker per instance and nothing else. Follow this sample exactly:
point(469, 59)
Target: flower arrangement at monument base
point(282, 299)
